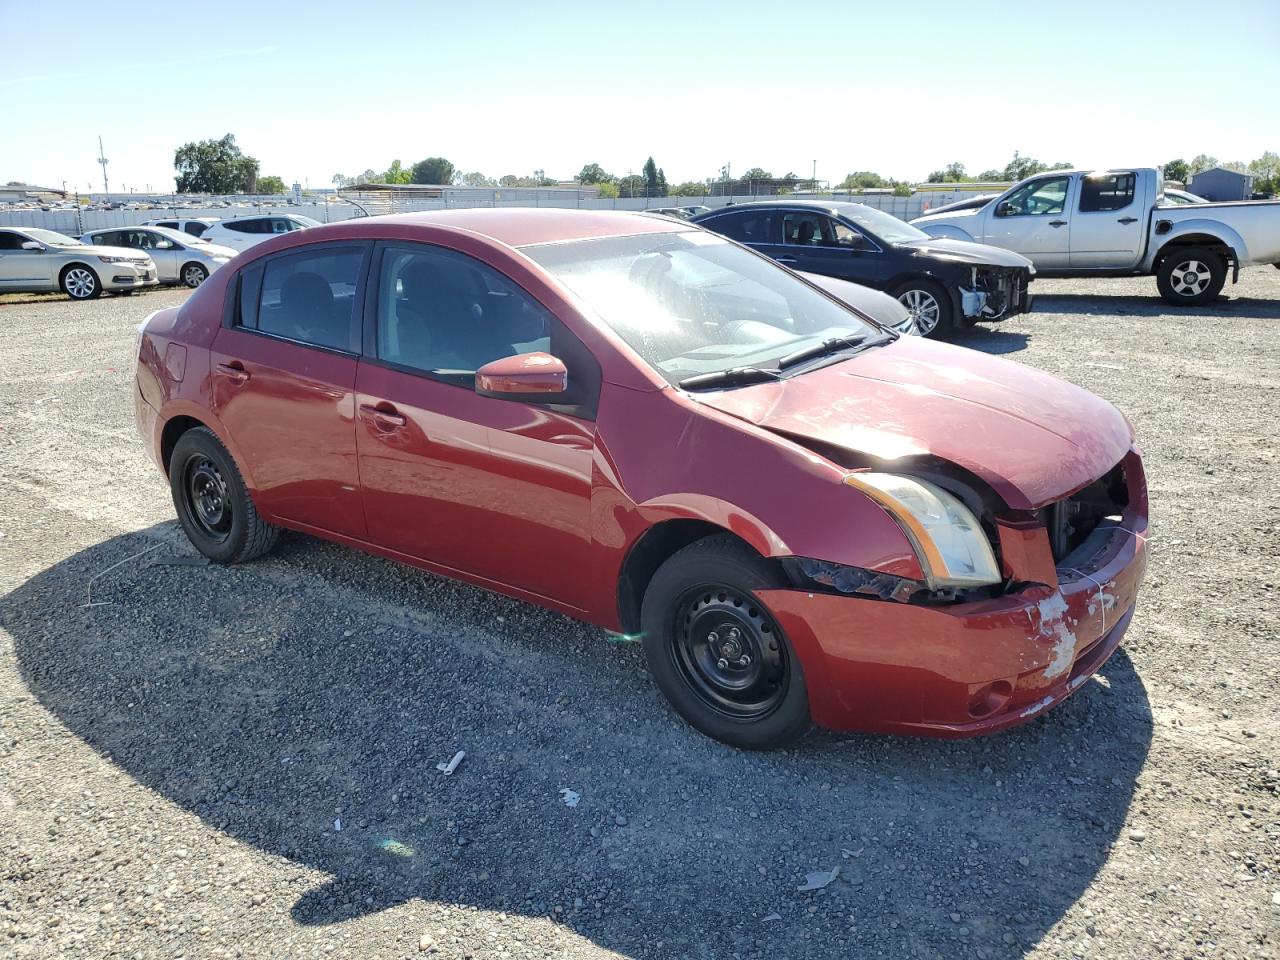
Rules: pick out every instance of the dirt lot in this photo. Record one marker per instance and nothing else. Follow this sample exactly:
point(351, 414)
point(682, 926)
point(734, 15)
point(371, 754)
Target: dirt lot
point(176, 760)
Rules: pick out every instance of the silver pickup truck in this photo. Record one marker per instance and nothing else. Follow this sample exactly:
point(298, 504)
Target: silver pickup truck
point(1079, 223)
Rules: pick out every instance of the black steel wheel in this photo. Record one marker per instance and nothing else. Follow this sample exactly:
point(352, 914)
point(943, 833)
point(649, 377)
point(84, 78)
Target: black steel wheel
point(715, 650)
point(213, 504)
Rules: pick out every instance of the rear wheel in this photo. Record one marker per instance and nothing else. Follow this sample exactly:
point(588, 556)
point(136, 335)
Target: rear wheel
point(80, 282)
point(716, 652)
point(928, 303)
point(193, 274)
point(213, 505)
point(1191, 276)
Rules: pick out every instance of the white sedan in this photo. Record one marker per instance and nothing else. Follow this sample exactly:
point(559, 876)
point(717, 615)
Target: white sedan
point(179, 257)
point(245, 232)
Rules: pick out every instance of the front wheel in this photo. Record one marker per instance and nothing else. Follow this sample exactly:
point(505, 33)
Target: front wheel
point(193, 274)
point(716, 652)
point(928, 303)
point(80, 283)
point(213, 504)
point(1191, 276)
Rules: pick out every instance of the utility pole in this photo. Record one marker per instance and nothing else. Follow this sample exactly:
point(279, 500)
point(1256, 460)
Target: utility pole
point(815, 177)
point(102, 159)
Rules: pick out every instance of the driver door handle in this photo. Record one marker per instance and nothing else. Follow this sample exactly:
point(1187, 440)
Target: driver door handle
point(1127, 220)
point(785, 259)
point(384, 415)
point(1057, 223)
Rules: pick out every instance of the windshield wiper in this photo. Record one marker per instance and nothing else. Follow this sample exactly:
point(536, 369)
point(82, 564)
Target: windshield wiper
point(825, 348)
point(733, 377)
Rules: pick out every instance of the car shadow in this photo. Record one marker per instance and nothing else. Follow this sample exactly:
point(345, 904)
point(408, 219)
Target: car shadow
point(318, 688)
point(990, 340)
point(1254, 308)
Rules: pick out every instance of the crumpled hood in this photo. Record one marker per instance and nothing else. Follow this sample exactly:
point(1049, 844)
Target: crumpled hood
point(962, 251)
point(1032, 437)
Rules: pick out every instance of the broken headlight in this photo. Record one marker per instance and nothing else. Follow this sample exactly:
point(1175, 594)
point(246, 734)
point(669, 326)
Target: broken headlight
point(949, 542)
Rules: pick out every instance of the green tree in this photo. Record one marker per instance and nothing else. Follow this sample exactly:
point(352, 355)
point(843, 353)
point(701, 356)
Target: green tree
point(690, 188)
point(214, 166)
point(987, 176)
point(1239, 166)
point(270, 185)
point(651, 183)
point(510, 180)
point(1061, 165)
point(608, 190)
point(1202, 162)
point(901, 189)
point(395, 174)
point(1177, 170)
point(594, 173)
point(1267, 169)
point(431, 170)
point(954, 173)
point(862, 180)
point(756, 173)
point(633, 186)
point(936, 176)
point(1020, 167)
point(476, 179)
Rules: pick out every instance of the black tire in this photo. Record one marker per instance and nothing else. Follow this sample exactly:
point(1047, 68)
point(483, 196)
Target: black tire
point(192, 275)
point(1191, 276)
point(80, 281)
point(213, 505)
point(920, 295)
point(694, 604)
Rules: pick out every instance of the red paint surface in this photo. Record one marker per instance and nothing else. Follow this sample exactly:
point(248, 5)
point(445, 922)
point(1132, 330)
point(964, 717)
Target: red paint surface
point(545, 506)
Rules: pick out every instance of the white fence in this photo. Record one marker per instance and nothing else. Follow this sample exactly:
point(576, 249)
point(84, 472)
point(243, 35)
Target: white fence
point(76, 222)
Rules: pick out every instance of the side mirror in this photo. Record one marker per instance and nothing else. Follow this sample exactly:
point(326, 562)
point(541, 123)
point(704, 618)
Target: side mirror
point(1004, 209)
point(531, 377)
point(32, 245)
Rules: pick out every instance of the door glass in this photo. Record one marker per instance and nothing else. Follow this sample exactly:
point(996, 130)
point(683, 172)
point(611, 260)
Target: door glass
point(757, 227)
point(846, 236)
point(12, 241)
point(1112, 191)
point(195, 229)
point(311, 297)
point(805, 229)
point(1038, 199)
point(444, 313)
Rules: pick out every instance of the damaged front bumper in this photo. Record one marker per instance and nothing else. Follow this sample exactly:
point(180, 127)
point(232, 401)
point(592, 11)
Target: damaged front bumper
point(877, 659)
point(995, 294)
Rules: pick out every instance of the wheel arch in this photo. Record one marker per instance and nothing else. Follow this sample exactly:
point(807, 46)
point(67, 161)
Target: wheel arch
point(1230, 246)
point(181, 416)
point(651, 549)
point(191, 263)
point(71, 265)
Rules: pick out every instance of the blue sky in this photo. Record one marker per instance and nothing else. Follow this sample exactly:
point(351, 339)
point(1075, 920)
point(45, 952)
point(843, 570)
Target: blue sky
point(313, 89)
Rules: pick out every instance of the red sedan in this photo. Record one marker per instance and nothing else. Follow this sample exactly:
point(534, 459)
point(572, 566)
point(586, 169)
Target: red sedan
point(802, 515)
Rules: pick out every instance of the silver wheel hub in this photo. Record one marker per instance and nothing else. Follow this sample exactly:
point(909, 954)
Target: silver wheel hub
point(80, 283)
point(923, 307)
point(1191, 277)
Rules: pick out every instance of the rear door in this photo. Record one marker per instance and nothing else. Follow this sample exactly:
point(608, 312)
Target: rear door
point(500, 489)
point(1107, 229)
point(283, 378)
point(1035, 221)
point(161, 249)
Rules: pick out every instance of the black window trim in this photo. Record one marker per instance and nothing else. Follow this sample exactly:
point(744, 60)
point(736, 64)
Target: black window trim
point(231, 307)
point(585, 410)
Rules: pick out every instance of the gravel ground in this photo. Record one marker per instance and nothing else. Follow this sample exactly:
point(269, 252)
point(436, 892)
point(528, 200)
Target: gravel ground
point(242, 762)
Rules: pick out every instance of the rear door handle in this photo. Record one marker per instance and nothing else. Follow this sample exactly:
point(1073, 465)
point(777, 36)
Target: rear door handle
point(384, 415)
point(234, 371)
point(1057, 223)
point(785, 259)
point(1127, 220)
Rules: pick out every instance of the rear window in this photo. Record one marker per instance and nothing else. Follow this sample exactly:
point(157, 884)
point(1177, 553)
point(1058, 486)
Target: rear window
point(1114, 191)
point(309, 297)
point(758, 226)
point(249, 226)
point(195, 228)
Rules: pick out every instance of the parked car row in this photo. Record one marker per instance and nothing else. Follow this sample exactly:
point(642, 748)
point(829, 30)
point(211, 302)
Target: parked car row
point(124, 259)
point(802, 515)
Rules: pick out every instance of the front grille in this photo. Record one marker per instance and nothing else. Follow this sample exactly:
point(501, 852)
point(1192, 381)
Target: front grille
point(1069, 522)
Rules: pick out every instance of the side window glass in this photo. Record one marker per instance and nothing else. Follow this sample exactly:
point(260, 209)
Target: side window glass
point(1111, 192)
point(757, 227)
point(442, 312)
point(280, 225)
point(311, 297)
point(240, 226)
point(171, 224)
point(195, 229)
point(804, 229)
point(10, 241)
point(1042, 198)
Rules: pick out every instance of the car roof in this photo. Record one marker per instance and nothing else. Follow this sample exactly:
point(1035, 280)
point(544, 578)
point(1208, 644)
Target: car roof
point(827, 206)
point(517, 226)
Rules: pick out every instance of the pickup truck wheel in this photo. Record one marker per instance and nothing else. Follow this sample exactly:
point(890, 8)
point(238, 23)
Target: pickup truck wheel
point(716, 652)
point(1191, 276)
point(929, 305)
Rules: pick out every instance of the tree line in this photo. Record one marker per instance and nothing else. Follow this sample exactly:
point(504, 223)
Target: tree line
point(219, 166)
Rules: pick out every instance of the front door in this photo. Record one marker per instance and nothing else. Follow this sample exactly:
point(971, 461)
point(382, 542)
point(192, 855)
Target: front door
point(816, 243)
point(283, 382)
point(21, 269)
point(1035, 221)
point(1107, 230)
point(498, 489)
point(161, 249)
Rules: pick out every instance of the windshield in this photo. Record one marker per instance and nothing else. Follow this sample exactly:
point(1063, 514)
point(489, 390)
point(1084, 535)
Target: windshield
point(693, 303)
point(883, 225)
point(50, 238)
